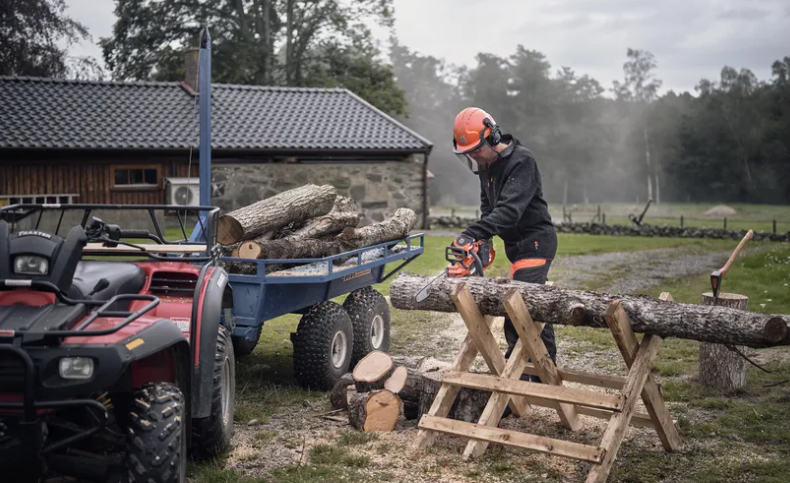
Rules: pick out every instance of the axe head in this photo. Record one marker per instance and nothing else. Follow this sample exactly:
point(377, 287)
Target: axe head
point(715, 282)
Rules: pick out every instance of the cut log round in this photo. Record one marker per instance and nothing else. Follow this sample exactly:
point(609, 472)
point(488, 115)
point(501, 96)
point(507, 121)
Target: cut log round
point(406, 383)
point(339, 395)
point(555, 305)
point(719, 367)
point(469, 403)
point(396, 227)
point(374, 411)
point(251, 248)
point(272, 213)
point(372, 371)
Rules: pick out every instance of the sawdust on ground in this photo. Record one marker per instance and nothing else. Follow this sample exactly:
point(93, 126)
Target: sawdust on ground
point(297, 429)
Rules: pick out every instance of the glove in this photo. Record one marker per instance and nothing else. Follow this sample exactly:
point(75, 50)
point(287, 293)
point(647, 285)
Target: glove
point(486, 252)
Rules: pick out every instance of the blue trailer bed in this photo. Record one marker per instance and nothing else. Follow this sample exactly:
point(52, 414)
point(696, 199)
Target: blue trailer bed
point(260, 297)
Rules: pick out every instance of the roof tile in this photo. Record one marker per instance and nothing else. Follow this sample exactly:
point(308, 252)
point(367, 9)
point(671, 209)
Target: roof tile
point(40, 112)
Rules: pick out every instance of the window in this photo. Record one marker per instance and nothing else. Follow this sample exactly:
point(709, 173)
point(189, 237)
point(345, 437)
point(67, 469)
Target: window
point(136, 176)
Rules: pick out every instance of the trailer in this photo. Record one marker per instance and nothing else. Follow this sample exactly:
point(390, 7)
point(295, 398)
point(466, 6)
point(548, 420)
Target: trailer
point(330, 337)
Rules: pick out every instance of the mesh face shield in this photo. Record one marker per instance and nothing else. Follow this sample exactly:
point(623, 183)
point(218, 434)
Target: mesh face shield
point(478, 157)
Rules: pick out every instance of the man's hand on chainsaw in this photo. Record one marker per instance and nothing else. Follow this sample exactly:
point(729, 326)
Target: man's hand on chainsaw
point(462, 265)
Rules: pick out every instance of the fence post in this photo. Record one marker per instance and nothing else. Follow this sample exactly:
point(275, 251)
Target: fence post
point(681, 221)
point(725, 222)
point(774, 226)
point(603, 218)
point(452, 211)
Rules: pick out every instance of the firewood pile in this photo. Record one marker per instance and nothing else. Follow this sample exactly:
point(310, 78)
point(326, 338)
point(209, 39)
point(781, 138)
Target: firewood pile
point(382, 388)
point(307, 222)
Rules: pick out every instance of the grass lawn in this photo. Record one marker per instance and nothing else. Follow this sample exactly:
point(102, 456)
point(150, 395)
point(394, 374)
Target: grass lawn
point(742, 437)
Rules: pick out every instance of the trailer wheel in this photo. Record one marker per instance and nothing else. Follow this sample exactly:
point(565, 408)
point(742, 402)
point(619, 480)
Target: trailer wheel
point(370, 316)
point(157, 435)
point(323, 343)
point(211, 435)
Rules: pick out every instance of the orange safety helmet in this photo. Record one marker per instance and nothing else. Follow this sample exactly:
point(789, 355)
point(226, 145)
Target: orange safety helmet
point(473, 128)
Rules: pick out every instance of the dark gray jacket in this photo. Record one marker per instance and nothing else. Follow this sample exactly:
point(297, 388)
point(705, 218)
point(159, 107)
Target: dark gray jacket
point(512, 205)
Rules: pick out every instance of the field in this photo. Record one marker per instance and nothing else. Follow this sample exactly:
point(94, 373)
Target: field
point(749, 216)
point(280, 436)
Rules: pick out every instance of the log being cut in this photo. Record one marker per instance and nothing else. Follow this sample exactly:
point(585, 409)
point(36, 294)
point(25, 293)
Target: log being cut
point(270, 214)
point(555, 305)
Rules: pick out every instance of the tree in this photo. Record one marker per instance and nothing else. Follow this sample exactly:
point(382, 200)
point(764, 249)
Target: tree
point(30, 31)
point(261, 42)
point(640, 89)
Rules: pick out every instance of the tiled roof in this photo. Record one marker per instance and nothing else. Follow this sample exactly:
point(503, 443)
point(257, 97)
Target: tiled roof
point(47, 113)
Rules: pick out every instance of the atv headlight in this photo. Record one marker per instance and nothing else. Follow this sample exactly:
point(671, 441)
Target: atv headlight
point(31, 265)
point(76, 368)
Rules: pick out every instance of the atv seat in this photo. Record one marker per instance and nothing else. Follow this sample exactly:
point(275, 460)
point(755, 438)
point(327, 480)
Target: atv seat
point(124, 278)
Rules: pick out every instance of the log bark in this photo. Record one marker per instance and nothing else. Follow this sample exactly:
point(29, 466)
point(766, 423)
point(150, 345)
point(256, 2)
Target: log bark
point(374, 411)
point(273, 213)
point(468, 405)
point(344, 214)
point(393, 228)
point(372, 371)
point(339, 395)
point(555, 305)
point(720, 368)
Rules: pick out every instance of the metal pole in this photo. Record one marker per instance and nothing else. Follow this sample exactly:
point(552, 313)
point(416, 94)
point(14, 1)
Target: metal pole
point(205, 118)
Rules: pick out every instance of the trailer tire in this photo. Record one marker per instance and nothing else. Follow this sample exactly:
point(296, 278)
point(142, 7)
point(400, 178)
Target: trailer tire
point(211, 435)
point(370, 317)
point(323, 344)
point(157, 435)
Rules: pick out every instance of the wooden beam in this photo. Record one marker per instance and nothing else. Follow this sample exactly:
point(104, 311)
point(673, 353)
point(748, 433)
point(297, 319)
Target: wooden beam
point(637, 376)
point(542, 444)
point(445, 398)
point(584, 397)
point(529, 332)
point(642, 420)
point(651, 395)
point(484, 340)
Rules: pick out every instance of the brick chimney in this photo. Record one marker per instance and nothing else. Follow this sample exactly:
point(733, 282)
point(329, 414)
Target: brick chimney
point(191, 64)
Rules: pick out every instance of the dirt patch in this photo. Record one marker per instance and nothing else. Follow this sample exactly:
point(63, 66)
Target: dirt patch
point(721, 210)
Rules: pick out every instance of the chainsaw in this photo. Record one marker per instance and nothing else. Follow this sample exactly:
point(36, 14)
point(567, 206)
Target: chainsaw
point(465, 261)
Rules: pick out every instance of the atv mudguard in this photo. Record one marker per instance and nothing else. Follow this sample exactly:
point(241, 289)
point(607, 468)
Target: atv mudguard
point(210, 307)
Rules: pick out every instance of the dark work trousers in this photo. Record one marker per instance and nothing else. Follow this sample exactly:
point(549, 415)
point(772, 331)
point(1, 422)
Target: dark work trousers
point(532, 275)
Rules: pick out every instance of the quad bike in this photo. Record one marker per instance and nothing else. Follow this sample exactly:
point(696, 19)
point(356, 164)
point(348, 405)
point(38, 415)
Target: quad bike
point(111, 370)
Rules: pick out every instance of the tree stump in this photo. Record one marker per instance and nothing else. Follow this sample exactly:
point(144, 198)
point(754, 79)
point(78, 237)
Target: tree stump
point(719, 367)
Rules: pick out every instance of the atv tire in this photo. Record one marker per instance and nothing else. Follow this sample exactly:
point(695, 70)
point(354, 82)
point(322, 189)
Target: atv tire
point(157, 438)
point(211, 436)
point(323, 343)
point(370, 317)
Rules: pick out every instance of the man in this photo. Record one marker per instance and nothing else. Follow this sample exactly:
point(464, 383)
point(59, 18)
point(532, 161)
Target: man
point(511, 204)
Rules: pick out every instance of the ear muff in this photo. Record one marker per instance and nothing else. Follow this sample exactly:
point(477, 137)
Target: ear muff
point(496, 134)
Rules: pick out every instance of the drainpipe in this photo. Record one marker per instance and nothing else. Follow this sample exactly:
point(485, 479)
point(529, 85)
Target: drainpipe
point(425, 192)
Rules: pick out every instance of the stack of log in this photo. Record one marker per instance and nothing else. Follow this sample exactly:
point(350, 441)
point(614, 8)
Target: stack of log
point(382, 388)
point(307, 222)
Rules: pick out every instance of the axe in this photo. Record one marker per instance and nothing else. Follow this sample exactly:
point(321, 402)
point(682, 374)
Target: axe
point(718, 275)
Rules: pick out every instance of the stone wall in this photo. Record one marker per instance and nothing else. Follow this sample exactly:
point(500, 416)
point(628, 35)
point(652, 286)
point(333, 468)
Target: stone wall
point(380, 188)
point(456, 222)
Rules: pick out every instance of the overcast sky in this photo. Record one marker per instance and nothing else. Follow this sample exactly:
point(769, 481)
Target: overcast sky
point(690, 39)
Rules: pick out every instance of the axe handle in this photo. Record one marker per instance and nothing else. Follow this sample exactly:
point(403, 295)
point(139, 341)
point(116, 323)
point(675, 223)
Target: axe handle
point(738, 249)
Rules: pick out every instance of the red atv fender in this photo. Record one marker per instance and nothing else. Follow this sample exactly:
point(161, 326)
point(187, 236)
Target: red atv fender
point(207, 314)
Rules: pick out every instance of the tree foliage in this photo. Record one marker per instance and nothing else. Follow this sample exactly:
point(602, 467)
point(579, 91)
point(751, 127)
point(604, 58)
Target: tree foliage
point(729, 141)
point(30, 31)
point(261, 42)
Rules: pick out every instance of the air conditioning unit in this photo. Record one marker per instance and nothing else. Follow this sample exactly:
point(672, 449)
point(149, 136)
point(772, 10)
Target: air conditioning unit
point(183, 191)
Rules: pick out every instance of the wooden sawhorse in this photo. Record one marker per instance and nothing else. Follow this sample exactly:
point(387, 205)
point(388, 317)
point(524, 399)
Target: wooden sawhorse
point(507, 389)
